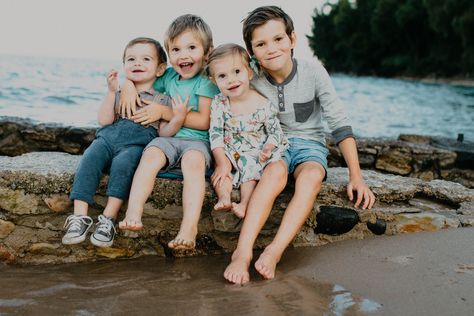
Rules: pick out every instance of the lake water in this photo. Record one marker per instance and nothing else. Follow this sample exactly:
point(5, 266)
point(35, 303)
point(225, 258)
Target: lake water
point(69, 91)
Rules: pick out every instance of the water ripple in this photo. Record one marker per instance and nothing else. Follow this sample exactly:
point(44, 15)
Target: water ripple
point(59, 100)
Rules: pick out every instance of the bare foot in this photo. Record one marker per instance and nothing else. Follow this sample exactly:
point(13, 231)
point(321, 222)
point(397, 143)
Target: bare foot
point(266, 264)
point(223, 204)
point(237, 271)
point(130, 223)
point(239, 209)
point(182, 242)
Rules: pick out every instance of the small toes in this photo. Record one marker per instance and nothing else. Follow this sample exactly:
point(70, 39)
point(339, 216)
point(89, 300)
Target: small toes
point(179, 243)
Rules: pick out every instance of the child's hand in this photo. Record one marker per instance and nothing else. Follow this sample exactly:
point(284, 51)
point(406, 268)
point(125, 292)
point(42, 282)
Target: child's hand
point(266, 153)
point(220, 172)
point(129, 99)
point(363, 192)
point(148, 114)
point(112, 80)
point(180, 109)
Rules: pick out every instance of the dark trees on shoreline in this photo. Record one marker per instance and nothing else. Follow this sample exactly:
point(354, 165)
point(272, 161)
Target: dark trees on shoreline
point(396, 37)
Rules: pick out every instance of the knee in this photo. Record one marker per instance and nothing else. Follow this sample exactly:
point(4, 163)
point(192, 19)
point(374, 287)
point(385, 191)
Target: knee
point(277, 173)
point(193, 160)
point(312, 177)
point(130, 156)
point(152, 155)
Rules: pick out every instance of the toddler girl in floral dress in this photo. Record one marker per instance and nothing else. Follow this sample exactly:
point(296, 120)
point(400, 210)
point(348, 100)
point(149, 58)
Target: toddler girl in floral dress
point(245, 132)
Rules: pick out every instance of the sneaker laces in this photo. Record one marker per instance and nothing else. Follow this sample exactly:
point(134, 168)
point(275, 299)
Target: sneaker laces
point(75, 222)
point(105, 225)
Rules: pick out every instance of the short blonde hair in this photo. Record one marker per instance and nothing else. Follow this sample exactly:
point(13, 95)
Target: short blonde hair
point(193, 23)
point(226, 50)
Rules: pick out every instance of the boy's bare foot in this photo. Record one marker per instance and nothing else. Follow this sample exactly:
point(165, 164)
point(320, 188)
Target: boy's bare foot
point(266, 264)
point(223, 204)
point(239, 209)
point(237, 271)
point(129, 223)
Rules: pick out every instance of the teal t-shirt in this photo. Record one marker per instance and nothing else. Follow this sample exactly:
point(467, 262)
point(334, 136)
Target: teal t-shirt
point(194, 87)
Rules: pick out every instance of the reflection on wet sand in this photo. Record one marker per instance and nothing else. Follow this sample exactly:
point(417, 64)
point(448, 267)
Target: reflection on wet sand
point(190, 286)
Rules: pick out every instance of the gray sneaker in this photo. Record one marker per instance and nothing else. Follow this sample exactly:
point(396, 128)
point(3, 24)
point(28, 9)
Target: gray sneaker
point(104, 233)
point(77, 228)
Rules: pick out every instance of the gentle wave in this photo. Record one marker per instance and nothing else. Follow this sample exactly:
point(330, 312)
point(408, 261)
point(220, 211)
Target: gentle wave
point(59, 100)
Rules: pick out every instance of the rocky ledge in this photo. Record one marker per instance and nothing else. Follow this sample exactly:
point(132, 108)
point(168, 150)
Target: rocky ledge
point(34, 204)
point(422, 157)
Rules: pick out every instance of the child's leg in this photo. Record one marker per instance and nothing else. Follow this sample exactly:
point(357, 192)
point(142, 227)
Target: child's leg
point(112, 207)
point(86, 180)
point(77, 225)
point(193, 166)
point(122, 170)
point(246, 190)
point(308, 179)
point(88, 175)
point(104, 233)
point(223, 190)
point(81, 208)
point(152, 161)
point(273, 181)
point(121, 173)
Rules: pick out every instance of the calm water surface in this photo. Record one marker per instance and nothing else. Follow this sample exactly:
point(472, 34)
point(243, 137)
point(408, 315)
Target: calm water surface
point(70, 91)
point(158, 286)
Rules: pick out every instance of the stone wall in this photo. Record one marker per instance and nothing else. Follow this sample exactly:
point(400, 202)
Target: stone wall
point(422, 157)
point(34, 204)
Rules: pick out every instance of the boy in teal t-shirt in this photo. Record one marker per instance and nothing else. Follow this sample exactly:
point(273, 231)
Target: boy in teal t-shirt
point(188, 42)
point(194, 88)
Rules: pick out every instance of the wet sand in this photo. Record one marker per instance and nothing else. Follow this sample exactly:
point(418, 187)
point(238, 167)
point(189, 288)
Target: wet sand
point(413, 274)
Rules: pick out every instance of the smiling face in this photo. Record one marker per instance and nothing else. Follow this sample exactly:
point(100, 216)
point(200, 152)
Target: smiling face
point(231, 75)
point(272, 48)
point(141, 64)
point(186, 54)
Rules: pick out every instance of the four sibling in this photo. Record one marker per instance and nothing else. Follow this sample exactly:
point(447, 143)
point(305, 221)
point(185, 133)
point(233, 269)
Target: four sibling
point(250, 148)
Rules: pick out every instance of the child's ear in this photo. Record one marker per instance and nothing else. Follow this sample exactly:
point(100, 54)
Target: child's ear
point(161, 69)
point(293, 39)
point(206, 56)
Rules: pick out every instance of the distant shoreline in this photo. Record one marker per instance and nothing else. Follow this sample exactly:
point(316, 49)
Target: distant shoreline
point(455, 81)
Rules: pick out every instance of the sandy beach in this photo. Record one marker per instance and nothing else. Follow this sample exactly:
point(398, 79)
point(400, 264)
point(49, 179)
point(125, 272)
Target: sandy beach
point(411, 274)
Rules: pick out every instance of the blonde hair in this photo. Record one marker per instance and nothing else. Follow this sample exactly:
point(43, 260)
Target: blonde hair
point(193, 23)
point(226, 50)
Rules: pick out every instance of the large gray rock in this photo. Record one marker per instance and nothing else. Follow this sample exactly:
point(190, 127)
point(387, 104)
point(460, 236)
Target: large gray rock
point(422, 157)
point(34, 203)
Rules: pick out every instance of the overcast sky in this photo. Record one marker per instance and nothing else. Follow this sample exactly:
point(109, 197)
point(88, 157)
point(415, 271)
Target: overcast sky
point(100, 29)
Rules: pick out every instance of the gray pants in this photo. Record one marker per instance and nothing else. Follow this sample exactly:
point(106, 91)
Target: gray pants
point(116, 150)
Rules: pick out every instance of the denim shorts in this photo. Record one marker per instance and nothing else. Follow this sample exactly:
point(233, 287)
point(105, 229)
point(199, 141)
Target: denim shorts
point(302, 150)
point(175, 148)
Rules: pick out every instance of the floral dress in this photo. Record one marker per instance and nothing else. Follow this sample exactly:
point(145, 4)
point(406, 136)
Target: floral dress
point(243, 136)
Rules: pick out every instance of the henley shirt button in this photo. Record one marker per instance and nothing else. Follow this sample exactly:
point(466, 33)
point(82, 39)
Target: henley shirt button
point(280, 95)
